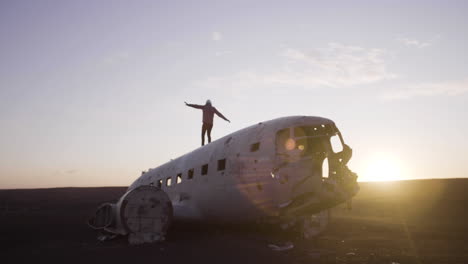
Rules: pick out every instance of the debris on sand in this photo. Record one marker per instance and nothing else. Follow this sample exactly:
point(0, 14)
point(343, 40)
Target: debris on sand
point(286, 246)
point(104, 237)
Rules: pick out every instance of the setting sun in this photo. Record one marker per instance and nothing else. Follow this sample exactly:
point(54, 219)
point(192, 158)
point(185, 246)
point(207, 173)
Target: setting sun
point(383, 168)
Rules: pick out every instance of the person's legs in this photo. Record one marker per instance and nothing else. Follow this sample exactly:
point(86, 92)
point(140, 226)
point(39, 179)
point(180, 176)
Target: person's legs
point(203, 134)
point(209, 127)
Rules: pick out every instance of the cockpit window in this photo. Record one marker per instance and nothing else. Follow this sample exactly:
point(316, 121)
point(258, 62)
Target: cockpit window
point(336, 144)
point(300, 132)
point(282, 138)
point(315, 140)
point(316, 130)
point(312, 146)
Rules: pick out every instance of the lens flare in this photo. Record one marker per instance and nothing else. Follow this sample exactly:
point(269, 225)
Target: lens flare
point(290, 144)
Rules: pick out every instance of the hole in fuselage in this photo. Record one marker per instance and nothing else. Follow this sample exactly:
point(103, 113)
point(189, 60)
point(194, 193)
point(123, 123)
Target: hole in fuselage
point(325, 168)
point(259, 187)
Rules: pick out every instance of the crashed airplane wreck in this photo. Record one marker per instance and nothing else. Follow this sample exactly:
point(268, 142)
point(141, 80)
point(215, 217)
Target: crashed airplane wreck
point(287, 171)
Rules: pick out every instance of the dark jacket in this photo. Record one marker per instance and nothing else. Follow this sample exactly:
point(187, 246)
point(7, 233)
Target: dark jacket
point(208, 112)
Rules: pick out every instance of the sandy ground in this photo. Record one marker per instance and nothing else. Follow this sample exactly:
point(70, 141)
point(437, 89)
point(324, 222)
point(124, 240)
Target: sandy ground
point(422, 221)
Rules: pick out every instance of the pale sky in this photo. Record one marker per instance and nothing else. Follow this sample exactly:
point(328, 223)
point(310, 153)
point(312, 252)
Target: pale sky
point(92, 92)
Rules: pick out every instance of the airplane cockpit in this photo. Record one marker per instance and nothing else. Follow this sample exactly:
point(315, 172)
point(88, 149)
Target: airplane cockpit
point(322, 146)
point(311, 167)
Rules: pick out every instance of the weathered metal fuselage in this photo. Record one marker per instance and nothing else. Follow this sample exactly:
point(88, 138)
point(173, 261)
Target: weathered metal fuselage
point(278, 169)
point(287, 171)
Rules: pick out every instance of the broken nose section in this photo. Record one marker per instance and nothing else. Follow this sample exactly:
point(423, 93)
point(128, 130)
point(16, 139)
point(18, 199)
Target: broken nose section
point(144, 214)
point(309, 212)
point(341, 188)
point(335, 190)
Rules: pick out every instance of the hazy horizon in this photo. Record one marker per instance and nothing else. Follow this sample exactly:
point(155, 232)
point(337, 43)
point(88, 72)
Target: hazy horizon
point(93, 91)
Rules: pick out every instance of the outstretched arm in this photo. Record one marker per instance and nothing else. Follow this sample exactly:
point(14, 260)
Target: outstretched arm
point(194, 105)
point(221, 115)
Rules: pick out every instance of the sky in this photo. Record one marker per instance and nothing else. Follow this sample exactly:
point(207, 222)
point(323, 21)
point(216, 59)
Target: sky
point(92, 92)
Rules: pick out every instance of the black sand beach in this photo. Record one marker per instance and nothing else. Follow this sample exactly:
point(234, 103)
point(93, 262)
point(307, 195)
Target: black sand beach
point(420, 221)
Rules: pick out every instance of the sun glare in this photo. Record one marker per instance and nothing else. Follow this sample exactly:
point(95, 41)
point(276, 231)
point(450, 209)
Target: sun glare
point(383, 168)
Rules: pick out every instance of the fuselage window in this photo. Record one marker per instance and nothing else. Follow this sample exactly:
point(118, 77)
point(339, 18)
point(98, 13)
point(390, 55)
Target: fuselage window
point(159, 183)
point(254, 147)
point(221, 164)
point(179, 178)
point(190, 174)
point(204, 169)
point(168, 181)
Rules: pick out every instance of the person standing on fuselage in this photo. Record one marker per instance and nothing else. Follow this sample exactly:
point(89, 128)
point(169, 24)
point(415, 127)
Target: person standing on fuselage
point(208, 114)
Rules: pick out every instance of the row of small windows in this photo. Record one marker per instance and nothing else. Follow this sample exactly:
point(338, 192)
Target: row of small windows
point(204, 169)
point(190, 173)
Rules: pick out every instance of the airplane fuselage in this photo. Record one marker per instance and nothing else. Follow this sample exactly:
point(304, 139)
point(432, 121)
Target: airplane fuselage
point(278, 168)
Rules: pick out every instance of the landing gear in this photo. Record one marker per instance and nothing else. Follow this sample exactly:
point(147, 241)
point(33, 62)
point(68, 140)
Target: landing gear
point(308, 227)
point(315, 225)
